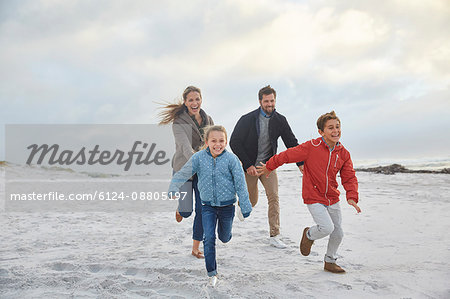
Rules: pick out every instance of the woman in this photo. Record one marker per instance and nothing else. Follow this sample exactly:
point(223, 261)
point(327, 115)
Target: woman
point(188, 122)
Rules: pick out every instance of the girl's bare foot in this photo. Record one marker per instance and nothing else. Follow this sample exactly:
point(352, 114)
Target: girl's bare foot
point(196, 251)
point(178, 217)
point(198, 254)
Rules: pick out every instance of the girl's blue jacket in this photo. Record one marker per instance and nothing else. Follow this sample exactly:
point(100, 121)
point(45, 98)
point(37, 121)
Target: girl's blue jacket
point(219, 179)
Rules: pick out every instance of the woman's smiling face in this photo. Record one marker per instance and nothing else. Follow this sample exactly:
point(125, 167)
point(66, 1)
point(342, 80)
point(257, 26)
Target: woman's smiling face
point(193, 102)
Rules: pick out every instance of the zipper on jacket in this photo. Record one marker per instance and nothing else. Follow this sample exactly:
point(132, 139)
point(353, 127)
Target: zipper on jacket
point(326, 175)
point(214, 181)
point(335, 163)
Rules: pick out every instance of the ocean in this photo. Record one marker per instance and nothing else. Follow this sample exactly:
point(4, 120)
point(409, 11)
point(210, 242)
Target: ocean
point(436, 163)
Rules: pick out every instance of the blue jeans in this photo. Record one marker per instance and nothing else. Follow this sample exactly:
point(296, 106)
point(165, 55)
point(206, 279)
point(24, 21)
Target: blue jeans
point(222, 217)
point(185, 207)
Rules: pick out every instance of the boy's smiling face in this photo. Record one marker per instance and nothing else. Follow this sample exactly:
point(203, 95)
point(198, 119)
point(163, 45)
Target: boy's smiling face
point(331, 132)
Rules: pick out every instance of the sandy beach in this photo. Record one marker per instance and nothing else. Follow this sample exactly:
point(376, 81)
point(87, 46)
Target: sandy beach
point(398, 247)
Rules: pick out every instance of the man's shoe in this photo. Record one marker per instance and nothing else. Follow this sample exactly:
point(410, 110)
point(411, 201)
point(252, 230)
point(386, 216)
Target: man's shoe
point(305, 243)
point(276, 242)
point(213, 281)
point(178, 217)
point(333, 268)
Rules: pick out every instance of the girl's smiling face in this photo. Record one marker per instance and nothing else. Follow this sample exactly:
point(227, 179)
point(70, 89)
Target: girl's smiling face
point(216, 142)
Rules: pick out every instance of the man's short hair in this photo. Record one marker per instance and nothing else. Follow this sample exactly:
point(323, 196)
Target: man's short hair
point(266, 91)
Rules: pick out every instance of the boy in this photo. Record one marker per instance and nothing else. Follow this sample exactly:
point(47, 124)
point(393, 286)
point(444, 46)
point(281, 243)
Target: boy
point(324, 157)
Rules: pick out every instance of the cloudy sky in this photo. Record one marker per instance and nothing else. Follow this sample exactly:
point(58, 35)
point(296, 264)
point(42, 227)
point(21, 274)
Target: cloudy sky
point(383, 66)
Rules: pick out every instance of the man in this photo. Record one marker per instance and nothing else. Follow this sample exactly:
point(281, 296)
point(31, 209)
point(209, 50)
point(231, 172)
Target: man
point(254, 140)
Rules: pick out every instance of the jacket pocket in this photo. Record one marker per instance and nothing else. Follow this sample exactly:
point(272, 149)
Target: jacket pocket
point(337, 165)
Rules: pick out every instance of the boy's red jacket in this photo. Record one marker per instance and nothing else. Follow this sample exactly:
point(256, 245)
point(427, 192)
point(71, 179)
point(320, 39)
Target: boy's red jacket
point(320, 170)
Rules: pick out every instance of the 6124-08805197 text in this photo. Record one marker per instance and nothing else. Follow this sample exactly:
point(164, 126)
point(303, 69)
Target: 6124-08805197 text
point(94, 196)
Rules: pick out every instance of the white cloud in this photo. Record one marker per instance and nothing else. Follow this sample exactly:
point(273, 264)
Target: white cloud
point(107, 61)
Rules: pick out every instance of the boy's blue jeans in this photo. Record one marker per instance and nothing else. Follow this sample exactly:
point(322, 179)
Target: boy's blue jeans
point(185, 207)
point(222, 217)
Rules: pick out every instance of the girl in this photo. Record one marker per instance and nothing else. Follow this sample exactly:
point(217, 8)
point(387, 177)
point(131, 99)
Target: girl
point(220, 177)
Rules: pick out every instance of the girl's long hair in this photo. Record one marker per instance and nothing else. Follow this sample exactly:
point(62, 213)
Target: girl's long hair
point(171, 110)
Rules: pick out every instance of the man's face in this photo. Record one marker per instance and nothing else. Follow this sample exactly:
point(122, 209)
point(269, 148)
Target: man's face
point(267, 103)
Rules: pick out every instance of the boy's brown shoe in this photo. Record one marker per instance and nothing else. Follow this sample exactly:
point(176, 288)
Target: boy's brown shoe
point(305, 243)
point(333, 268)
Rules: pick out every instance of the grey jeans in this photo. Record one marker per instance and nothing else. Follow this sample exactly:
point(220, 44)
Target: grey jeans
point(328, 222)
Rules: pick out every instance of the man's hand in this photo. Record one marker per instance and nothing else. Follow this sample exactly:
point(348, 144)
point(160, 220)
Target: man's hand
point(252, 171)
point(263, 170)
point(301, 168)
point(353, 203)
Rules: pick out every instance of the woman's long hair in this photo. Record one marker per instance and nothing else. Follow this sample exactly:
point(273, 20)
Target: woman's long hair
point(171, 110)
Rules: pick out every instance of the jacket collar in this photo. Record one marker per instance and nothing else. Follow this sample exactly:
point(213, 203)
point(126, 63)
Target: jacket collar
point(209, 152)
point(255, 113)
point(336, 146)
point(187, 118)
point(265, 114)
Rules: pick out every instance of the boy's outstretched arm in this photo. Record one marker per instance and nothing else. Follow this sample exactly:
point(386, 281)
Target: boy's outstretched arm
point(292, 154)
point(262, 169)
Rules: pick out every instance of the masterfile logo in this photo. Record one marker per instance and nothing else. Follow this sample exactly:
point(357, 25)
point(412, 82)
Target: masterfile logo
point(53, 155)
point(118, 149)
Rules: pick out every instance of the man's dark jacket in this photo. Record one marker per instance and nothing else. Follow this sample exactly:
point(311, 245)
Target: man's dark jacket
point(244, 139)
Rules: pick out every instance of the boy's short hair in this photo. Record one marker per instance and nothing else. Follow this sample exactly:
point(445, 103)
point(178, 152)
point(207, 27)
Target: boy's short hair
point(266, 91)
point(326, 117)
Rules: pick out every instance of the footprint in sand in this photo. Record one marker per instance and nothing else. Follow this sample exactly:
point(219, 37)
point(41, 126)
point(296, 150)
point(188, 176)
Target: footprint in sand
point(63, 267)
point(95, 268)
